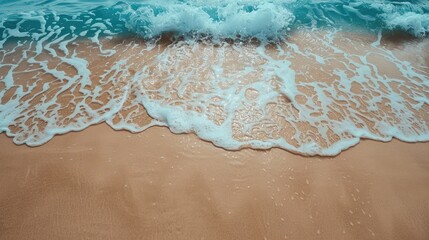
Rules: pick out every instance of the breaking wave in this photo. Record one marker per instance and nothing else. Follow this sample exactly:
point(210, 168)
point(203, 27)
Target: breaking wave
point(312, 77)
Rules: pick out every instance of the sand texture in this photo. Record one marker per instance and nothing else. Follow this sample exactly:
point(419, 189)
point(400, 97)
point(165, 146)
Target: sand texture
point(104, 184)
point(317, 93)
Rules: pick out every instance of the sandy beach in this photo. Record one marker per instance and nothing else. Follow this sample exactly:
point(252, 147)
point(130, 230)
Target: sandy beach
point(101, 183)
point(106, 184)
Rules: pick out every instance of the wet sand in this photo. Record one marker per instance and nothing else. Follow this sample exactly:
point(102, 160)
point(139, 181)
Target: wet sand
point(106, 184)
point(338, 87)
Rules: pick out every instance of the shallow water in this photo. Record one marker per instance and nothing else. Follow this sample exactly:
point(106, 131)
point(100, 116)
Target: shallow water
point(310, 77)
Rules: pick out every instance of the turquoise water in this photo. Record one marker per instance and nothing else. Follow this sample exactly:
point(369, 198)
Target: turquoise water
point(219, 19)
point(308, 76)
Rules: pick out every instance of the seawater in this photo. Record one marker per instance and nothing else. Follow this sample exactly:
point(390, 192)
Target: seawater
point(310, 76)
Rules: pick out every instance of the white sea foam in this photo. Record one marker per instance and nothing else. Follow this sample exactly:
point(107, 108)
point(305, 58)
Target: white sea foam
point(331, 119)
point(264, 20)
point(416, 23)
point(310, 91)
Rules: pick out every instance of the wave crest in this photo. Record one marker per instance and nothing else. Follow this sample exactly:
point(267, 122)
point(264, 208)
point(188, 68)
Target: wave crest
point(263, 20)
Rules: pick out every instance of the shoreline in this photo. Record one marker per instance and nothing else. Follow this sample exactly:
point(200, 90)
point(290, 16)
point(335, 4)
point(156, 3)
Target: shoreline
point(314, 95)
point(361, 140)
point(102, 183)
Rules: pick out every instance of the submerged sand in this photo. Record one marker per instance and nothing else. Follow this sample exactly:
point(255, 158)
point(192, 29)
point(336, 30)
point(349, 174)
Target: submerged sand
point(105, 184)
point(316, 93)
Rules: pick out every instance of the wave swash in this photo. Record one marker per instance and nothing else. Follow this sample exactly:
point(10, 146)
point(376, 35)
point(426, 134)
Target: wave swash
point(312, 77)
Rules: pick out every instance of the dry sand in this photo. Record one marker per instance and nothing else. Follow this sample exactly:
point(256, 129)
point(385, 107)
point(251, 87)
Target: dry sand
point(105, 184)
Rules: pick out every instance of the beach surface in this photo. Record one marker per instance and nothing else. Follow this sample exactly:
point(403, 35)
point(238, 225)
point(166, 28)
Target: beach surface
point(106, 184)
point(101, 183)
point(189, 119)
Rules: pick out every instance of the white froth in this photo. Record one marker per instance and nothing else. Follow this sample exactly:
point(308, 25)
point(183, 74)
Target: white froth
point(266, 20)
point(416, 23)
point(314, 93)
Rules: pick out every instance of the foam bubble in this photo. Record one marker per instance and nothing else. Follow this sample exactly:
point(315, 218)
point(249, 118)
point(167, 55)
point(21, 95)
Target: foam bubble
point(311, 91)
point(416, 23)
point(228, 20)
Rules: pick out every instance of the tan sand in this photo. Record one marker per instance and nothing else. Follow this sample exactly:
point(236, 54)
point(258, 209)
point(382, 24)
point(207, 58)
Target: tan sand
point(158, 73)
point(102, 184)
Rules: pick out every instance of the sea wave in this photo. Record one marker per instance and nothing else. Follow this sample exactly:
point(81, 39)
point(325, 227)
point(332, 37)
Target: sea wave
point(321, 87)
point(224, 19)
point(264, 20)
